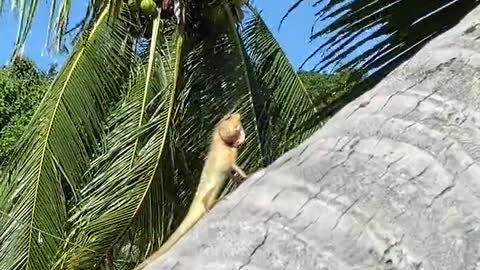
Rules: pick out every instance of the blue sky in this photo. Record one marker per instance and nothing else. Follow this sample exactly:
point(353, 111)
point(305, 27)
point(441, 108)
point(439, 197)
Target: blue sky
point(293, 35)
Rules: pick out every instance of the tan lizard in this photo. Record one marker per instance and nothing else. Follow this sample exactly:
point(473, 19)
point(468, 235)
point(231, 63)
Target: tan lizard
point(220, 162)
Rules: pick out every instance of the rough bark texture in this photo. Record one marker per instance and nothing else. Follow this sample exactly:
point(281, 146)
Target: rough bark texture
point(391, 182)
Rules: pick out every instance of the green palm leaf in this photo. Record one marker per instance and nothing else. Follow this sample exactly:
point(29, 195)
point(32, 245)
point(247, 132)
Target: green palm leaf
point(129, 187)
point(51, 157)
point(286, 102)
point(25, 20)
point(251, 99)
point(57, 24)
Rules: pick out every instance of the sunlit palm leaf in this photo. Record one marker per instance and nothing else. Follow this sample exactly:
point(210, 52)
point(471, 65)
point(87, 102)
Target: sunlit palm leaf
point(47, 166)
point(251, 102)
point(128, 186)
point(287, 103)
point(27, 10)
point(25, 19)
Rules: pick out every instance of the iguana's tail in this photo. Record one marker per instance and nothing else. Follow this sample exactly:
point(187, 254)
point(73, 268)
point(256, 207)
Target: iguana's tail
point(193, 215)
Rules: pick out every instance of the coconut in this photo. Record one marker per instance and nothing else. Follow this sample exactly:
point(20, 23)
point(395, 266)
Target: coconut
point(148, 7)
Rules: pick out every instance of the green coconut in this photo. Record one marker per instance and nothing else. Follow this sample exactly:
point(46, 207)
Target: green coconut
point(148, 7)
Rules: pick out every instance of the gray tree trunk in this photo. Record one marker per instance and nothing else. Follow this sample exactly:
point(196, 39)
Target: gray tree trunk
point(390, 182)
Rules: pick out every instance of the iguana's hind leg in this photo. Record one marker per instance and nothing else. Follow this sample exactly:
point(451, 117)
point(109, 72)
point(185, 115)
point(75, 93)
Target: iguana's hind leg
point(209, 200)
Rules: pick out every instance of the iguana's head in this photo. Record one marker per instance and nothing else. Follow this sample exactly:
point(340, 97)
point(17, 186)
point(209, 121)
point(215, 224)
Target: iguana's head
point(230, 130)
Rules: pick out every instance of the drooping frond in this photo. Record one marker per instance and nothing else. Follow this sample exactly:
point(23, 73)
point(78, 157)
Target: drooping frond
point(251, 99)
point(51, 157)
point(128, 187)
point(287, 105)
point(27, 11)
point(58, 26)
point(375, 36)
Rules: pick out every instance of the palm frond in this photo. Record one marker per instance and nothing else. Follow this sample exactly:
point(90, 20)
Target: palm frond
point(47, 166)
point(396, 29)
point(128, 187)
point(251, 103)
point(27, 10)
point(25, 20)
point(287, 105)
point(57, 25)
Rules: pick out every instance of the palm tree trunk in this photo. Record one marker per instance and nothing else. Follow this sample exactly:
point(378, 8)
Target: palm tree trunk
point(390, 182)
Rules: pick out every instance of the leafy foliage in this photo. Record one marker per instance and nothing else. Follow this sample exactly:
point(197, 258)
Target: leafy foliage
point(21, 88)
point(130, 171)
point(46, 170)
point(327, 89)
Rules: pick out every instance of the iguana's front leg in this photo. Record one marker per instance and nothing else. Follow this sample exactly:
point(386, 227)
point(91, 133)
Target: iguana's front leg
point(241, 174)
